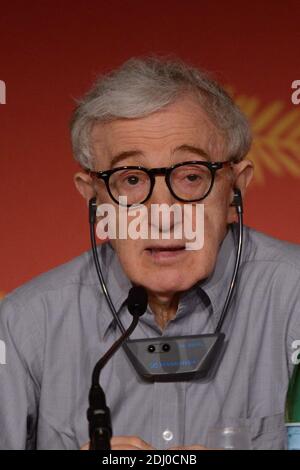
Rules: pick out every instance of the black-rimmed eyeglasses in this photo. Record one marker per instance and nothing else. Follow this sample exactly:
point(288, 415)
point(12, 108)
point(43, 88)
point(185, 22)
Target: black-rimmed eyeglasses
point(189, 181)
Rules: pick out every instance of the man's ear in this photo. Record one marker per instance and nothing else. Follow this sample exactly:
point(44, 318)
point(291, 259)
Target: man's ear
point(84, 184)
point(243, 173)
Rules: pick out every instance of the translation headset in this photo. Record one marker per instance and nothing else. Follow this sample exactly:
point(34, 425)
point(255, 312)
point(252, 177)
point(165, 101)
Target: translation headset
point(175, 358)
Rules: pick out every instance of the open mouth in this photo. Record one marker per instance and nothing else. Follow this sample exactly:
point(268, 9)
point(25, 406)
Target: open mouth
point(165, 249)
point(160, 253)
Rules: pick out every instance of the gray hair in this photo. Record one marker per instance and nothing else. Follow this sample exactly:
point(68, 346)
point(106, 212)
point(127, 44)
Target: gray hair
point(141, 87)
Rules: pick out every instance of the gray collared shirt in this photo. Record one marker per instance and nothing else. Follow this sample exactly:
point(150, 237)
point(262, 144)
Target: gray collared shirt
point(57, 326)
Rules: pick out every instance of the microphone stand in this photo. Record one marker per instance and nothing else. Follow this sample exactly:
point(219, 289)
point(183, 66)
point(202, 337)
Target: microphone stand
point(98, 413)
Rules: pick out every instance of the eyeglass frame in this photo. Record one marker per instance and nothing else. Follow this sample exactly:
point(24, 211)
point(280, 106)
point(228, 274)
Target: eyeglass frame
point(105, 175)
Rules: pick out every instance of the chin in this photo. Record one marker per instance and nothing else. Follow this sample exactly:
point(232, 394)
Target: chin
point(166, 281)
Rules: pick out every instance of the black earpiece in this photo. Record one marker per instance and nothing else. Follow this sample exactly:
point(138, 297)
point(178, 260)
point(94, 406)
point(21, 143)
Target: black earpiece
point(92, 210)
point(237, 200)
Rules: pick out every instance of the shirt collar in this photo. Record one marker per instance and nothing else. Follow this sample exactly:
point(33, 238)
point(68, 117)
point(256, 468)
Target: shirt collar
point(215, 287)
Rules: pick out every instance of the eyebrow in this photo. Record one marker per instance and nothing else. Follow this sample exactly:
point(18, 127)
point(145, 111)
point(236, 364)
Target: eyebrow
point(126, 154)
point(138, 153)
point(192, 149)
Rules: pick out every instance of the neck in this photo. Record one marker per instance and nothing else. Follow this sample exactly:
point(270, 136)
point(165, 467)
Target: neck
point(164, 308)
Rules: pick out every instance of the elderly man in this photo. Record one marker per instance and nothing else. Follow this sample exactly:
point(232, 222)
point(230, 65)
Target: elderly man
point(164, 115)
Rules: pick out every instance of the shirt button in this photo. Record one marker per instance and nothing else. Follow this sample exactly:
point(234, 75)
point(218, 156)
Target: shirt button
point(167, 435)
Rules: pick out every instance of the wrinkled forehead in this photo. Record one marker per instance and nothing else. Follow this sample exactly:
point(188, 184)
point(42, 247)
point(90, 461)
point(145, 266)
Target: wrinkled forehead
point(182, 124)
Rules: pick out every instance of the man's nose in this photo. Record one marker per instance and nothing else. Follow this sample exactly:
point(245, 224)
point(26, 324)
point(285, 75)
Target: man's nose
point(161, 195)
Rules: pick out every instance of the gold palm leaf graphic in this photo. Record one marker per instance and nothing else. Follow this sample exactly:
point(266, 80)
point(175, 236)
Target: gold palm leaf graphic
point(276, 137)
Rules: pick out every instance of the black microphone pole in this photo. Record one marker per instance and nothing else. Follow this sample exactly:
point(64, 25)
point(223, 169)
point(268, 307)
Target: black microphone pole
point(98, 413)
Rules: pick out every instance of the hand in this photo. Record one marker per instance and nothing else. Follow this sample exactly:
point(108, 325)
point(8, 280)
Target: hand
point(125, 443)
point(193, 447)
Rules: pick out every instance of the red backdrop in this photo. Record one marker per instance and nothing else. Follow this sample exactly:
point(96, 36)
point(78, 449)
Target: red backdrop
point(50, 53)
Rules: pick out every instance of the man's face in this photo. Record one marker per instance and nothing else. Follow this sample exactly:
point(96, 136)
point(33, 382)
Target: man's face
point(155, 137)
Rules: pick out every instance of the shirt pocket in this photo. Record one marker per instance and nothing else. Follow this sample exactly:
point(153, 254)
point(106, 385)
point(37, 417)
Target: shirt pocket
point(267, 432)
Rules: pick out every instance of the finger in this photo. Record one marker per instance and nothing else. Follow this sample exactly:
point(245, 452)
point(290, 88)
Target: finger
point(85, 446)
point(193, 447)
point(125, 447)
point(134, 441)
point(118, 447)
